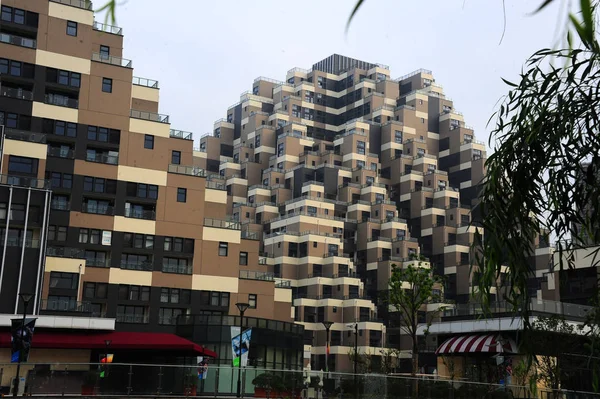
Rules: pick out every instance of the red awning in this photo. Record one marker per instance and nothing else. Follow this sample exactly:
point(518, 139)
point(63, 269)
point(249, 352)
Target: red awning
point(118, 340)
point(489, 343)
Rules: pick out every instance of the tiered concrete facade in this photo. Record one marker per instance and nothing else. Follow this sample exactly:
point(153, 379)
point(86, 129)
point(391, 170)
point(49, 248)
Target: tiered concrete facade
point(345, 172)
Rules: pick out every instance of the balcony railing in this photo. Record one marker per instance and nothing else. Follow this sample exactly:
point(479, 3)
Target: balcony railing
point(97, 209)
point(97, 262)
point(222, 224)
point(20, 94)
point(61, 153)
point(178, 269)
point(60, 205)
point(17, 40)
point(131, 318)
point(535, 306)
point(61, 101)
point(102, 158)
point(256, 275)
point(140, 214)
point(115, 30)
point(66, 306)
point(16, 134)
point(85, 4)
point(20, 242)
point(65, 252)
point(112, 60)
point(153, 84)
point(149, 116)
point(25, 181)
point(180, 134)
point(215, 185)
point(187, 170)
point(146, 266)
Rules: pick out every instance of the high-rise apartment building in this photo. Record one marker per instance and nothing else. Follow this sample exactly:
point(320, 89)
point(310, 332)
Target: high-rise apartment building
point(104, 212)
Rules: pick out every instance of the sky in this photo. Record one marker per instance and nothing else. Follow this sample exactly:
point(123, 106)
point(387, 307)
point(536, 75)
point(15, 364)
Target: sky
point(206, 53)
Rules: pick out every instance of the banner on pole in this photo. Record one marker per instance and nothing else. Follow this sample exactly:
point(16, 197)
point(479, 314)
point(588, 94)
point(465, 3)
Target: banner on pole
point(241, 347)
point(20, 339)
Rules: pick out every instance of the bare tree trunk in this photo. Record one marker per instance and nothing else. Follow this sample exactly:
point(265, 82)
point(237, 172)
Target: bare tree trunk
point(415, 365)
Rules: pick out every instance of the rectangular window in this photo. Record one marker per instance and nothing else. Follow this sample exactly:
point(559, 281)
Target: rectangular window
point(149, 141)
point(360, 147)
point(107, 85)
point(95, 290)
point(104, 52)
point(175, 265)
point(61, 234)
point(22, 165)
point(252, 300)
point(223, 247)
point(71, 28)
point(132, 314)
point(244, 258)
point(168, 316)
point(176, 157)
point(64, 280)
point(181, 194)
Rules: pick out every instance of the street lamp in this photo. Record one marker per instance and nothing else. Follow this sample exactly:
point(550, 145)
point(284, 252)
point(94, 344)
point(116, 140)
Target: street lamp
point(327, 325)
point(355, 358)
point(26, 298)
point(242, 307)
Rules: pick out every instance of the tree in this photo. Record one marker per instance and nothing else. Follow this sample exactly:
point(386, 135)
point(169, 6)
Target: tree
point(410, 290)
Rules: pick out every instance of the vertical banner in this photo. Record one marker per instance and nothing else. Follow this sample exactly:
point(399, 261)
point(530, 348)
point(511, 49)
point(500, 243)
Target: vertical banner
point(241, 347)
point(20, 339)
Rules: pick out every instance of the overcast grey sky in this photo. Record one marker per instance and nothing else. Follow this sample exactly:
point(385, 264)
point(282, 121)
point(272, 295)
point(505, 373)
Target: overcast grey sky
point(205, 53)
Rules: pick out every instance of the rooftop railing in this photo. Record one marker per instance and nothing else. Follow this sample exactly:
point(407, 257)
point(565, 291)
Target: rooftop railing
point(115, 30)
point(413, 73)
point(85, 4)
point(112, 60)
point(145, 82)
point(149, 116)
point(180, 134)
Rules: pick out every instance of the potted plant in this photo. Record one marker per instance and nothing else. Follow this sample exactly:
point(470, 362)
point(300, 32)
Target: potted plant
point(268, 385)
point(90, 379)
point(190, 384)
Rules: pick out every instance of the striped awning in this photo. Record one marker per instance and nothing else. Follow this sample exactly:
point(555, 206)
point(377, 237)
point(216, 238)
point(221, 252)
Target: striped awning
point(487, 343)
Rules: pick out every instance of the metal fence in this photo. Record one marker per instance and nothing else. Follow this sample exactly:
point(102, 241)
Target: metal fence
point(138, 380)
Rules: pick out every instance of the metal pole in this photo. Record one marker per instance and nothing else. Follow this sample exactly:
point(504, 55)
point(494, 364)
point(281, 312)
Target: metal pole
point(327, 352)
point(16, 389)
point(239, 381)
point(356, 360)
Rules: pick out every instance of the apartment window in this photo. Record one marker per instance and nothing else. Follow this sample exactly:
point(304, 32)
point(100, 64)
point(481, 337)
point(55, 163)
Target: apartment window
point(223, 247)
point(175, 295)
point(280, 149)
point(139, 241)
point(360, 147)
point(58, 180)
point(64, 280)
point(149, 141)
point(134, 293)
point(311, 210)
point(61, 128)
point(168, 316)
point(22, 165)
point(95, 258)
point(244, 258)
point(57, 233)
point(252, 301)
point(65, 78)
point(175, 265)
point(181, 194)
point(98, 134)
point(176, 157)
point(71, 28)
point(95, 290)
point(219, 299)
point(104, 52)
point(131, 314)
point(107, 85)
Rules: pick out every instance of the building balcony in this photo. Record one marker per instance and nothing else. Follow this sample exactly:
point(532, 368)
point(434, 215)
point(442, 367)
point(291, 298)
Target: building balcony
point(97, 209)
point(140, 214)
point(222, 224)
point(23, 135)
point(187, 170)
point(132, 318)
point(61, 153)
point(256, 275)
point(97, 262)
point(177, 268)
point(23, 181)
point(115, 30)
point(60, 205)
point(65, 252)
point(61, 101)
point(84, 4)
point(58, 307)
point(17, 40)
point(20, 242)
point(102, 158)
point(180, 134)
point(112, 60)
point(144, 266)
point(149, 116)
point(153, 84)
point(20, 94)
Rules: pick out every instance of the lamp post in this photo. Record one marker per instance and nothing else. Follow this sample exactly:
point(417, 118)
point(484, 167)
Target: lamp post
point(356, 360)
point(242, 307)
point(327, 325)
point(26, 298)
